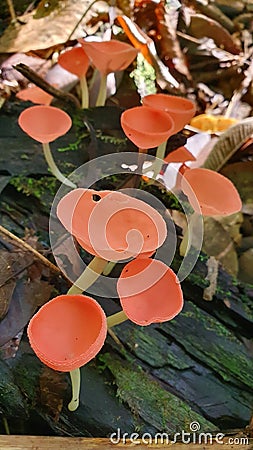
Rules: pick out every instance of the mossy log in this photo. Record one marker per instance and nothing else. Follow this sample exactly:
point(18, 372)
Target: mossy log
point(197, 367)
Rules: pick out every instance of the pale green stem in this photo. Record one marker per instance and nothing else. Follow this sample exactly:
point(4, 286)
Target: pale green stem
point(160, 153)
point(53, 167)
point(12, 10)
point(108, 268)
point(187, 239)
point(102, 91)
point(75, 377)
point(84, 92)
point(116, 319)
point(89, 276)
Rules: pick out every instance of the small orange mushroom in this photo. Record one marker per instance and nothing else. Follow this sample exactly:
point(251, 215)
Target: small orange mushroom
point(72, 340)
point(211, 192)
point(77, 62)
point(180, 109)
point(107, 57)
point(149, 292)
point(146, 127)
point(111, 225)
point(181, 154)
point(45, 124)
point(35, 94)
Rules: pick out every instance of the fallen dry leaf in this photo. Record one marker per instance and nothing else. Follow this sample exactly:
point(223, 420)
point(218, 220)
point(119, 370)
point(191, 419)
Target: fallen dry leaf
point(7, 282)
point(30, 33)
point(52, 389)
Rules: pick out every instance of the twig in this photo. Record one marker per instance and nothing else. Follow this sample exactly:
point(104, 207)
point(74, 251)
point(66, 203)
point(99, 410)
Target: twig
point(36, 79)
point(12, 10)
point(80, 20)
point(38, 255)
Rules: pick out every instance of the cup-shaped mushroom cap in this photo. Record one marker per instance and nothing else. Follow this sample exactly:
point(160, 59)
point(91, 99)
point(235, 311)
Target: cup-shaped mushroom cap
point(111, 225)
point(68, 331)
point(211, 192)
point(149, 292)
point(75, 61)
point(180, 109)
point(181, 154)
point(109, 56)
point(146, 127)
point(36, 95)
point(44, 123)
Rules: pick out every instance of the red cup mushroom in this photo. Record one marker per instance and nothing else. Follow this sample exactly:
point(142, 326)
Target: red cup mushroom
point(149, 292)
point(72, 340)
point(77, 62)
point(45, 124)
point(179, 108)
point(210, 191)
point(112, 226)
point(146, 127)
point(210, 194)
point(35, 94)
point(107, 57)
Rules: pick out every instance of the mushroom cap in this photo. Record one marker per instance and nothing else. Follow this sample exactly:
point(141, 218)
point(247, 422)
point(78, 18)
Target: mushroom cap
point(36, 95)
point(75, 61)
point(179, 108)
point(181, 154)
point(146, 127)
point(215, 194)
point(110, 224)
point(109, 56)
point(68, 331)
point(149, 291)
point(44, 123)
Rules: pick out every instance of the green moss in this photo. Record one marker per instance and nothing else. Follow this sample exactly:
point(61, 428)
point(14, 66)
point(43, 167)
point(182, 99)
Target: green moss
point(149, 400)
point(27, 374)
point(11, 400)
point(198, 280)
point(35, 187)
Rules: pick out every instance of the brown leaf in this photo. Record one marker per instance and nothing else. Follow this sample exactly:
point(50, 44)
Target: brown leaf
point(26, 298)
point(52, 389)
point(168, 41)
point(7, 282)
point(36, 34)
point(201, 26)
point(241, 174)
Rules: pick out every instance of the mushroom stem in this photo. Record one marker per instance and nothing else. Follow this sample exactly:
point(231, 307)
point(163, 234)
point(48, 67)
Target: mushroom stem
point(53, 167)
point(193, 225)
point(89, 276)
point(160, 154)
point(84, 92)
point(75, 377)
point(109, 267)
point(102, 91)
point(116, 319)
point(12, 10)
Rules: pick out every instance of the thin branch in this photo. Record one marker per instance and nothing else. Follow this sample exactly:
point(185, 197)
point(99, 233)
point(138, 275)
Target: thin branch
point(23, 244)
point(36, 79)
point(80, 20)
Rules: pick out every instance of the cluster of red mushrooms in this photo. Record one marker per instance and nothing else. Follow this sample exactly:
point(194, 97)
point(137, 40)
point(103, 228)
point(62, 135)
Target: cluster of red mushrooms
point(113, 226)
